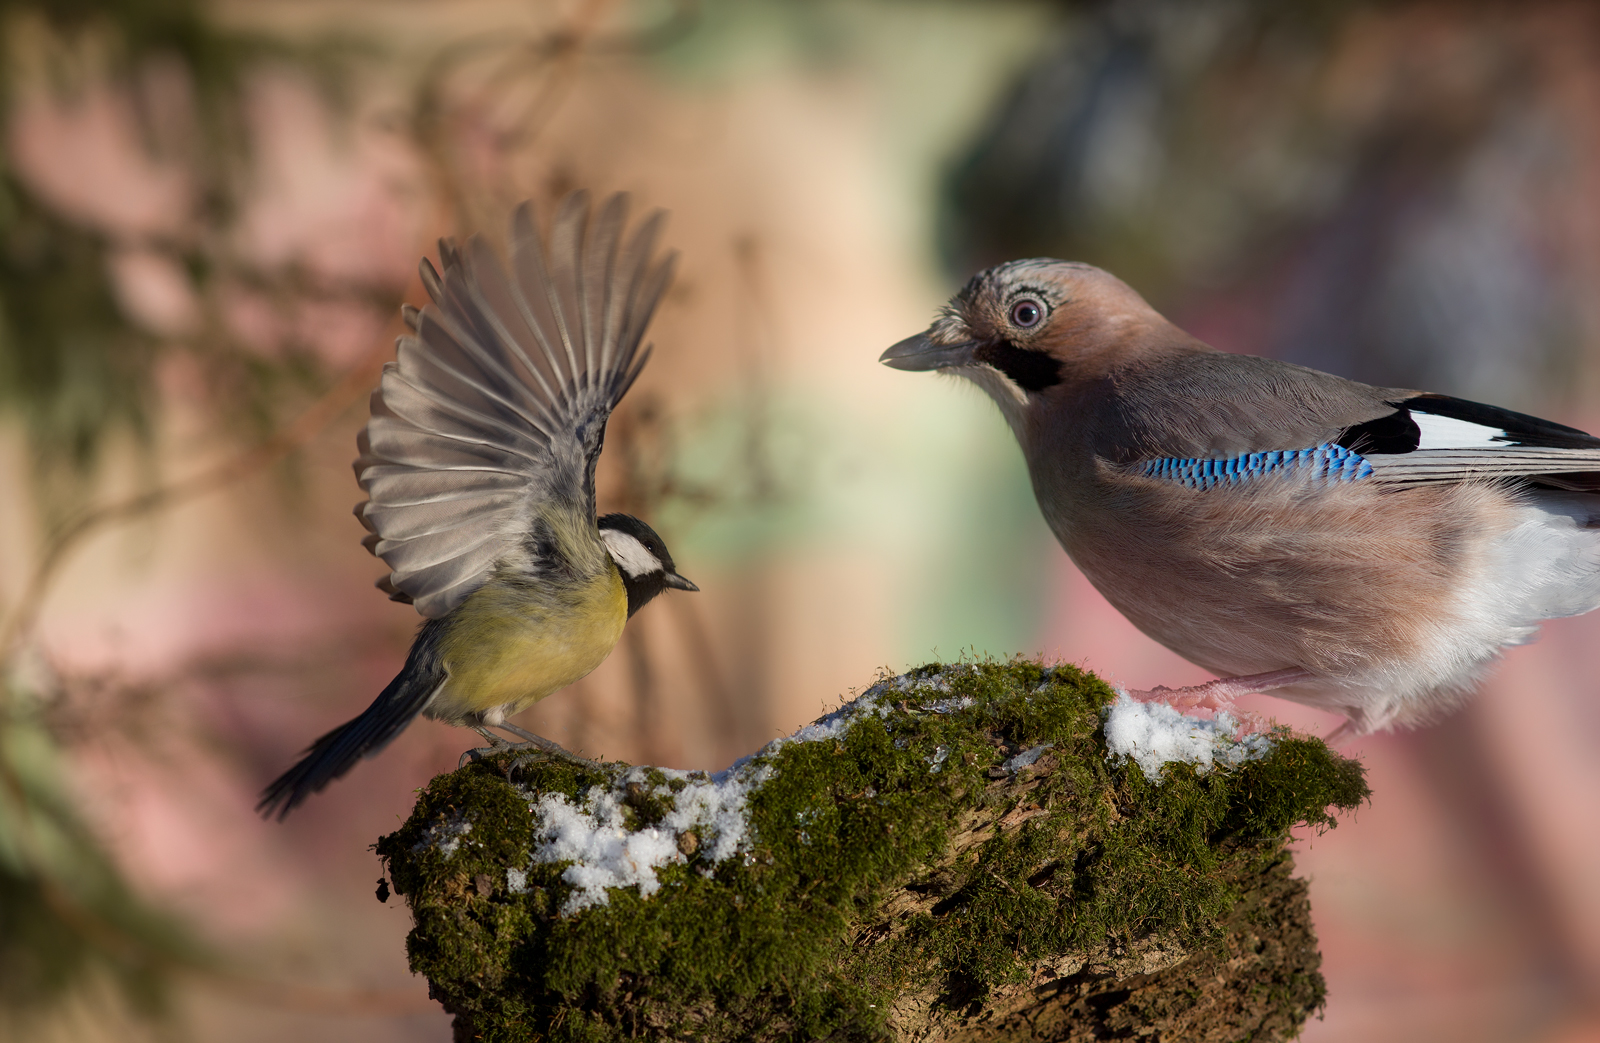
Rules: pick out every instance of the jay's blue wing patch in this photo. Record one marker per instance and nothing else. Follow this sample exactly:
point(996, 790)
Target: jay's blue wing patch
point(1326, 463)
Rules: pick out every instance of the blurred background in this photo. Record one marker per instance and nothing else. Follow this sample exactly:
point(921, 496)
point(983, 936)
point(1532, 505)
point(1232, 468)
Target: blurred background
point(210, 213)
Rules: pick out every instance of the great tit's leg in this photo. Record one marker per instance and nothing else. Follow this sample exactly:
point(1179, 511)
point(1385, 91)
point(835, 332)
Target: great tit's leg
point(540, 745)
point(496, 744)
point(1219, 695)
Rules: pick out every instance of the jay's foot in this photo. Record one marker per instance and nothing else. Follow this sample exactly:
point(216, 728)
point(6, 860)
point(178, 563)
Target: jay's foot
point(1348, 730)
point(1218, 695)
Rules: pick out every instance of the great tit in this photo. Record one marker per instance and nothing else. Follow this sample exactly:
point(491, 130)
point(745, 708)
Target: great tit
point(479, 467)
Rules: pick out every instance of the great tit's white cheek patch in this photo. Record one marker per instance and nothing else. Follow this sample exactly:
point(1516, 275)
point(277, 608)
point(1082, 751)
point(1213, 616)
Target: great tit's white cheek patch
point(631, 556)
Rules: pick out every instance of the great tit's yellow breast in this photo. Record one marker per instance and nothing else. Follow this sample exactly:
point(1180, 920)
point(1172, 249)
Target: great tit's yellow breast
point(510, 645)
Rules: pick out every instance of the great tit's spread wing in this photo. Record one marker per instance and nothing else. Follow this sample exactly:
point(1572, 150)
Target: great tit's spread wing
point(498, 402)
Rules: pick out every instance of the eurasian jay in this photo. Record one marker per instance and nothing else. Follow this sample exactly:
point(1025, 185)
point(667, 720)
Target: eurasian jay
point(1360, 549)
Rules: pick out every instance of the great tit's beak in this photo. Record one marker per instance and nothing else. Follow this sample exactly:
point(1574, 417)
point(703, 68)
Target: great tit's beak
point(921, 353)
point(677, 582)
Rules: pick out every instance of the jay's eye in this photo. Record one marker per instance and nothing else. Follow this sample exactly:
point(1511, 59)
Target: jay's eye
point(1026, 313)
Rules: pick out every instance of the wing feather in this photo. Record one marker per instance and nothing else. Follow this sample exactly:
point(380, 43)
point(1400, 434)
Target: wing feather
point(451, 367)
point(498, 399)
point(599, 282)
point(413, 409)
point(645, 285)
point(412, 487)
point(426, 517)
point(497, 299)
point(430, 278)
point(447, 582)
point(530, 290)
point(407, 558)
point(1435, 438)
point(561, 282)
point(1457, 465)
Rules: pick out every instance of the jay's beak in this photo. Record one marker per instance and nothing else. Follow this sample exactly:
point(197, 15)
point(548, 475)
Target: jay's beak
point(919, 353)
point(677, 582)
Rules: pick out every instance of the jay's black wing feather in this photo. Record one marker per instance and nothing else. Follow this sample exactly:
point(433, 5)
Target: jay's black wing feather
point(1436, 438)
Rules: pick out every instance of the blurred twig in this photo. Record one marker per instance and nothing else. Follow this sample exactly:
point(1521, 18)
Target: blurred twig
point(133, 947)
point(563, 49)
point(315, 999)
point(556, 54)
point(67, 904)
point(645, 693)
point(356, 382)
point(703, 657)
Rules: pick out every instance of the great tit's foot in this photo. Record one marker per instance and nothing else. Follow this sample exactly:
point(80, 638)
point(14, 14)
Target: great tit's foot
point(543, 756)
point(533, 747)
point(477, 753)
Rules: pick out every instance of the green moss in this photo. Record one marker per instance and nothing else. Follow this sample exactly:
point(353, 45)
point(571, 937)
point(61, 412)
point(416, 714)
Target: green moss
point(792, 935)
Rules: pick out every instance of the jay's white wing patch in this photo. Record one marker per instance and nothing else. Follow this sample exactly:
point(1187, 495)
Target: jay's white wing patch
point(1447, 432)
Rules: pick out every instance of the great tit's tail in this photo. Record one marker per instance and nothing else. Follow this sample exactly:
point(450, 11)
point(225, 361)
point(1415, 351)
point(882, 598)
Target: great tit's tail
point(337, 752)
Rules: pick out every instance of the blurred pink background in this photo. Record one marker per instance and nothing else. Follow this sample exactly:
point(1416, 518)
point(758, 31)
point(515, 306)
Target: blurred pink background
point(839, 517)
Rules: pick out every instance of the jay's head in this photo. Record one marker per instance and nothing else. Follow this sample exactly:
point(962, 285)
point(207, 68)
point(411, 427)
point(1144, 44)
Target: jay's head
point(1023, 327)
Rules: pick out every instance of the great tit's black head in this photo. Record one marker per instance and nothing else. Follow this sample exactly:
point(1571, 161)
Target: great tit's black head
point(641, 557)
point(1023, 327)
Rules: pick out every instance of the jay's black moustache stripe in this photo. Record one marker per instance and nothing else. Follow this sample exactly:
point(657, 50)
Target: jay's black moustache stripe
point(1029, 370)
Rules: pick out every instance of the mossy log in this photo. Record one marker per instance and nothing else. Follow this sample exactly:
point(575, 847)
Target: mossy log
point(951, 856)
